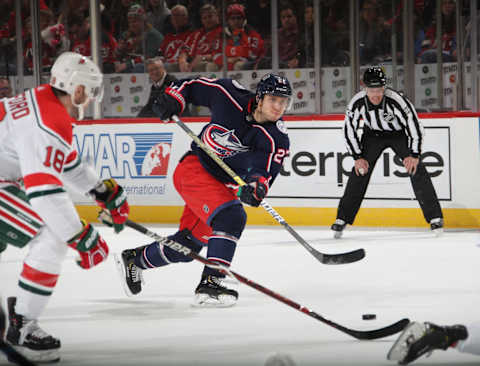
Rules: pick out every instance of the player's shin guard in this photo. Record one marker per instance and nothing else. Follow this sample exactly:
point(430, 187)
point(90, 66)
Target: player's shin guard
point(156, 255)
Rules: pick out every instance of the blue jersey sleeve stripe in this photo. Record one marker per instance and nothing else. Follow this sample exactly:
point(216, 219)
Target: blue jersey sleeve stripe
point(222, 89)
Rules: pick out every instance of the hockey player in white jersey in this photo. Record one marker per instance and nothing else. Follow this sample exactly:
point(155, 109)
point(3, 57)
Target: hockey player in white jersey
point(418, 339)
point(37, 160)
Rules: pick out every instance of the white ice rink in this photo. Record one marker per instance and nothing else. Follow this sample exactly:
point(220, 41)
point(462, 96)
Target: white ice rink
point(405, 274)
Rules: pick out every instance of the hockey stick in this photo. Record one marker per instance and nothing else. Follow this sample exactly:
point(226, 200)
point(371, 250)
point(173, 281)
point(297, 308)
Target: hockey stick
point(358, 334)
point(340, 258)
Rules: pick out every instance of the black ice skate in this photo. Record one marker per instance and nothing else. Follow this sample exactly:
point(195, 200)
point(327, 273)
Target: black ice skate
point(131, 274)
point(338, 226)
point(210, 292)
point(437, 226)
point(29, 339)
point(418, 339)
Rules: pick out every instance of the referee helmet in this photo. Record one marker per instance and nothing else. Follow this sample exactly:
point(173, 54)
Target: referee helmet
point(374, 77)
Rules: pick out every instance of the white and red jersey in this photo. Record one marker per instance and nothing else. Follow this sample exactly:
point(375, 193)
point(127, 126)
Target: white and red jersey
point(174, 43)
point(36, 136)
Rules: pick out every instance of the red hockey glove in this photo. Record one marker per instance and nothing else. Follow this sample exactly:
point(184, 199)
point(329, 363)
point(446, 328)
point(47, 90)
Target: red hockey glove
point(90, 245)
point(254, 191)
point(112, 197)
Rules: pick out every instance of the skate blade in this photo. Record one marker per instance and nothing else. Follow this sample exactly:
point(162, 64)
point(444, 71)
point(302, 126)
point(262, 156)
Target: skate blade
point(337, 234)
point(45, 356)
point(410, 334)
point(438, 232)
point(205, 301)
point(122, 273)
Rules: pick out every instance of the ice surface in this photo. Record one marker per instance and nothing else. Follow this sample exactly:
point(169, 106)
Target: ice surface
point(404, 274)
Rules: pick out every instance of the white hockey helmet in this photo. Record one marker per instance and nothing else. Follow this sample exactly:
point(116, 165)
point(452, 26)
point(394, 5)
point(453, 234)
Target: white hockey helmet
point(72, 69)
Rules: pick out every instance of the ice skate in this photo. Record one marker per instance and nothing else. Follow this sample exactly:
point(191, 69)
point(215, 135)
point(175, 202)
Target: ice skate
point(130, 273)
point(27, 338)
point(212, 293)
point(418, 339)
point(338, 226)
point(437, 226)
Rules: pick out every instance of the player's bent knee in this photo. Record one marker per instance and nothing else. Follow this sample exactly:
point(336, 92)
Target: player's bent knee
point(231, 220)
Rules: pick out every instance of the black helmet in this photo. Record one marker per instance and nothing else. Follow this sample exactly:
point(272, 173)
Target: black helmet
point(274, 85)
point(374, 77)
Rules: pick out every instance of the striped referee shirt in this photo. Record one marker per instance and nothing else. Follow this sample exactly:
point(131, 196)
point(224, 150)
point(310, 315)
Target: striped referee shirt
point(394, 113)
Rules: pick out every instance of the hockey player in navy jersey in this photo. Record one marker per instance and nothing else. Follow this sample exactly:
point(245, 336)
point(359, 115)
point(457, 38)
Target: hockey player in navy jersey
point(246, 131)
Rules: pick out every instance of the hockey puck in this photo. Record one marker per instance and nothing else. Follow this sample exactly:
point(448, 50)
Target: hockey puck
point(369, 316)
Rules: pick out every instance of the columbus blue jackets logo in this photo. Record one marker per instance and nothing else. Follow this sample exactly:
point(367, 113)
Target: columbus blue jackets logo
point(223, 141)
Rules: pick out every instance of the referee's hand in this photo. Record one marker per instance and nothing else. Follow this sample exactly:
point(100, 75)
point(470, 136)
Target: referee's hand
point(410, 163)
point(361, 166)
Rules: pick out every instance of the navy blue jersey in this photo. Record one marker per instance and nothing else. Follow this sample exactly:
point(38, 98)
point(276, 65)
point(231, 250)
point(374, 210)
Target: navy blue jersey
point(247, 147)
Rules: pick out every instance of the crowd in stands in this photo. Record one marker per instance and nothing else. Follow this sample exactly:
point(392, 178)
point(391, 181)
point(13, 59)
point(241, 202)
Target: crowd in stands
point(190, 35)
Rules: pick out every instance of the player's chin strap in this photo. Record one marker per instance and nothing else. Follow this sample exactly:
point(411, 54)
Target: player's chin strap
point(341, 258)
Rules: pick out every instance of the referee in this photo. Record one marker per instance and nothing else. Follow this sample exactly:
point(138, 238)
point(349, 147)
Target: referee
point(389, 120)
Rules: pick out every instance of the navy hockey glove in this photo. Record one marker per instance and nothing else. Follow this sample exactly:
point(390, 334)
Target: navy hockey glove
point(254, 191)
point(169, 103)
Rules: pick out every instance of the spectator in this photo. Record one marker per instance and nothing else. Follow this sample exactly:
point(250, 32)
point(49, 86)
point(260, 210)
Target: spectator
point(158, 14)
point(259, 17)
point(206, 43)
point(374, 41)
point(80, 39)
point(244, 44)
point(51, 46)
point(5, 88)
point(140, 41)
point(177, 41)
point(335, 34)
point(69, 7)
point(160, 81)
point(289, 50)
point(118, 11)
point(449, 40)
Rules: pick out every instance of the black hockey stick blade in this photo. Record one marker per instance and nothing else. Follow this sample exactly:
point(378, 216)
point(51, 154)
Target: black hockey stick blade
point(14, 356)
point(381, 332)
point(342, 258)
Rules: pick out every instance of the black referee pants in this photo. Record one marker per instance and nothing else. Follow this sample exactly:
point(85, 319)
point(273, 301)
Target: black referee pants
point(374, 143)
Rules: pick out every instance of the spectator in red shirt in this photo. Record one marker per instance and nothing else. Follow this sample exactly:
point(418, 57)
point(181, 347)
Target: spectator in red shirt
point(174, 43)
point(79, 28)
point(448, 38)
point(206, 43)
point(244, 44)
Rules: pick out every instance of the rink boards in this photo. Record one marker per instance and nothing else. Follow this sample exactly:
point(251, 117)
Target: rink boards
point(142, 155)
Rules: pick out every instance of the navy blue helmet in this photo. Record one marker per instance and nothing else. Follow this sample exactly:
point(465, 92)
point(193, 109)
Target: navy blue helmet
point(374, 77)
point(274, 85)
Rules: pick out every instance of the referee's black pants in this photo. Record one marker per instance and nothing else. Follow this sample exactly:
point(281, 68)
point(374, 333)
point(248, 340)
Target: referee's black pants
point(374, 143)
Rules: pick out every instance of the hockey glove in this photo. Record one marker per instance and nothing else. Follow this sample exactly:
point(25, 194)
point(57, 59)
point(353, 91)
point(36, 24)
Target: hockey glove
point(110, 196)
point(90, 245)
point(254, 191)
point(169, 103)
